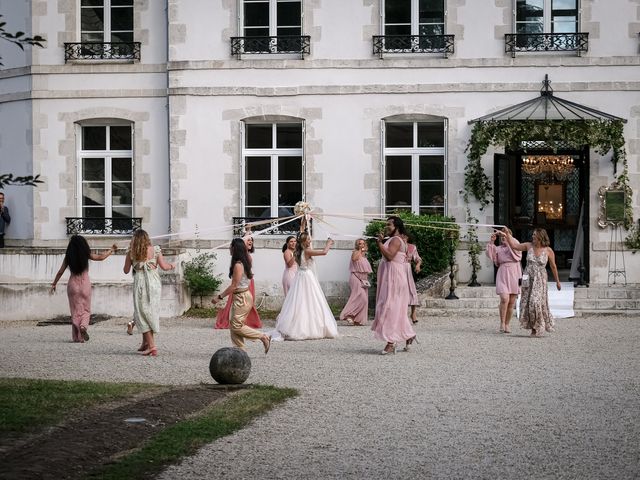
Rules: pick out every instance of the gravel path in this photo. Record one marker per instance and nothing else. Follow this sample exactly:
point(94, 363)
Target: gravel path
point(467, 402)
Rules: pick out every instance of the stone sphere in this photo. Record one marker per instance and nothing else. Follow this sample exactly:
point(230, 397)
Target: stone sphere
point(230, 366)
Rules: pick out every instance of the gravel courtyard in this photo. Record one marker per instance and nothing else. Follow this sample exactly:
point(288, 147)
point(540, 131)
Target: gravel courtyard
point(467, 402)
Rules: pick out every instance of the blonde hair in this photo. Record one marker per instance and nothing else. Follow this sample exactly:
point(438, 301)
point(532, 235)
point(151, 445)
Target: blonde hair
point(355, 245)
point(543, 238)
point(139, 244)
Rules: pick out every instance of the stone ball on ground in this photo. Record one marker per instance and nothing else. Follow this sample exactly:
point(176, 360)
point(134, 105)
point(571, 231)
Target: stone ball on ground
point(230, 366)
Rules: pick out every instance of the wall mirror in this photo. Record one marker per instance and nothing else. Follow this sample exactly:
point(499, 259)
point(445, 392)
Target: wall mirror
point(550, 202)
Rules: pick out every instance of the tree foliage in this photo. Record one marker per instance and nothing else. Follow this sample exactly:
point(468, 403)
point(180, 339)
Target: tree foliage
point(8, 179)
point(19, 39)
point(198, 273)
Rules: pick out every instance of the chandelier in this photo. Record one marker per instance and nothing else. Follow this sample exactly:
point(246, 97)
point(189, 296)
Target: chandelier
point(558, 166)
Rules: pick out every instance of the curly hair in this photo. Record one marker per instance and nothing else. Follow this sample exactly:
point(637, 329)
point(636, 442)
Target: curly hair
point(398, 224)
point(77, 254)
point(139, 244)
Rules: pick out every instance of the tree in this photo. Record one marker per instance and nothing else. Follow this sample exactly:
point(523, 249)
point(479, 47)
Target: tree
point(9, 179)
point(19, 39)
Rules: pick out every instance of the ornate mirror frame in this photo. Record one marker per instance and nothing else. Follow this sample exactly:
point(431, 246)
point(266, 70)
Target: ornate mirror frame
point(613, 204)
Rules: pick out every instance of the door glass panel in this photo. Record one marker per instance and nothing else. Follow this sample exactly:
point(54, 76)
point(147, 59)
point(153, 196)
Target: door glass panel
point(93, 169)
point(398, 194)
point(431, 193)
point(258, 168)
point(121, 194)
point(256, 14)
point(290, 168)
point(93, 193)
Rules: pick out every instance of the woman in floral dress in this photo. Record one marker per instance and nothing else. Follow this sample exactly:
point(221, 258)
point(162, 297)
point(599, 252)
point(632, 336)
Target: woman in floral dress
point(534, 302)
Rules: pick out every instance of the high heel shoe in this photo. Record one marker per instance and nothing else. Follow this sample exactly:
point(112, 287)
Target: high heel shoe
point(410, 342)
point(130, 326)
point(390, 348)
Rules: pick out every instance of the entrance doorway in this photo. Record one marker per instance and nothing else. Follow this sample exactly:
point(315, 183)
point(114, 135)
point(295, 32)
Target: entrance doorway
point(537, 187)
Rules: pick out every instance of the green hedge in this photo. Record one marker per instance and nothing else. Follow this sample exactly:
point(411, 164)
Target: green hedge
point(434, 244)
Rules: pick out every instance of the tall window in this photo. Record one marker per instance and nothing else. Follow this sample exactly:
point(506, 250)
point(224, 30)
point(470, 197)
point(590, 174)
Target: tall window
point(264, 18)
point(106, 21)
point(414, 167)
point(272, 168)
point(546, 16)
point(106, 171)
point(414, 17)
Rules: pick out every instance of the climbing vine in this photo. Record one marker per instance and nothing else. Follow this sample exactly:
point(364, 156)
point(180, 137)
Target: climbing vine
point(602, 135)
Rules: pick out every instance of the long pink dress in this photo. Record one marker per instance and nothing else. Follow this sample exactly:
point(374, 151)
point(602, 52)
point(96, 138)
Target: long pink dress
point(253, 319)
point(79, 295)
point(287, 277)
point(391, 323)
point(357, 306)
point(509, 269)
point(412, 256)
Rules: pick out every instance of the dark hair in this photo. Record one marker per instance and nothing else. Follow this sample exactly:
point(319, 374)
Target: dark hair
point(77, 255)
point(302, 237)
point(398, 223)
point(286, 242)
point(240, 254)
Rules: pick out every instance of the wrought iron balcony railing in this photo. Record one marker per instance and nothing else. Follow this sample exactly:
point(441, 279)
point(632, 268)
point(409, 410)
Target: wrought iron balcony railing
point(443, 44)
point(292, 44)
point(290, 228)
point(546, 42)
point(102, 51)
point(103, 226)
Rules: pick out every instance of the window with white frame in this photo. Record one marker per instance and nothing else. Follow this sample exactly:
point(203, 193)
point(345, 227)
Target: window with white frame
point(414, 17)
point(105, 161)
point(272, 168)
point(108, 21)
point(272, 18)
point(546, 16)
point(414, 166)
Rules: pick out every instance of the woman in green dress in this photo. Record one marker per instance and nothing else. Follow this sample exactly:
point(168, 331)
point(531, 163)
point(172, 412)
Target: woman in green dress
point(145, 259)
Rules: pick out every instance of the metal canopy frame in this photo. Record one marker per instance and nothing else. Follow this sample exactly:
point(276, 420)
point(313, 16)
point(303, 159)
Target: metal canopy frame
point(547, 107)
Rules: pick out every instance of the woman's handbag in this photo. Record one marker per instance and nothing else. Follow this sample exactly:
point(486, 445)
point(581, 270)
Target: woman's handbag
point(524, 281)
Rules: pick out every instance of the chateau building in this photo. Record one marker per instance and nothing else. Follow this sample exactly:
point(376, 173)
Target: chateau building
point(184, 117)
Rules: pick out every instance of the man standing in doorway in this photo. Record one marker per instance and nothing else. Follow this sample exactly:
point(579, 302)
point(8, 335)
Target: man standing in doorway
point(5, 219)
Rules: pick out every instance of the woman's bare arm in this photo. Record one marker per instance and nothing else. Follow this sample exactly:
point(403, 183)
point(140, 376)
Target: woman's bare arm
point(289, 259)
point(61, 270)
point(554, 268)
point(310, 252)
point(390, 252)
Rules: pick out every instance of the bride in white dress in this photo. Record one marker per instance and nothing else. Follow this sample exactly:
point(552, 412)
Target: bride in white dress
point(305, 314)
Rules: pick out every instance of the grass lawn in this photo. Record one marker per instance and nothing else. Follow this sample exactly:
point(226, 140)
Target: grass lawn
point(26, 405)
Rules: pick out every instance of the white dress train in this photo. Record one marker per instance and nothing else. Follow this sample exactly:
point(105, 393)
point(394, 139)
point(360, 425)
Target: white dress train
point(305, 314)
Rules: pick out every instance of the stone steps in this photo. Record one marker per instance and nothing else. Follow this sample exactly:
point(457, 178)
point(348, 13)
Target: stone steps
point(483, 301)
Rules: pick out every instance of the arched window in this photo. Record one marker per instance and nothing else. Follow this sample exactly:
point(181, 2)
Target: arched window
point(414, 165)
point(105, 175)
point(272, 167)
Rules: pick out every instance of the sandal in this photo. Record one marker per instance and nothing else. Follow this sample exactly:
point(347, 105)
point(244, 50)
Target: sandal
point(130, 326)
point(267, 345)
point(84, 333)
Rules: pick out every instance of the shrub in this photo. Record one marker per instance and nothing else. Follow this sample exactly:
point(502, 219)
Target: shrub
point(198, 273)
point(432, 240)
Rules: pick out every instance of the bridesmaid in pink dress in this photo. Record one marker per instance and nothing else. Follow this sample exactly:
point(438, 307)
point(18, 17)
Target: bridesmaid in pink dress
point(356, 311)
point(391, 322)
point(253, 318)
point(290, 265)
point(412, 257)
point(77, 259)
point(509, 273)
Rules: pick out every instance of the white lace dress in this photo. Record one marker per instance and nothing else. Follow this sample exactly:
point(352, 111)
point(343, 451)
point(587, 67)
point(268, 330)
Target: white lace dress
point(305, 314)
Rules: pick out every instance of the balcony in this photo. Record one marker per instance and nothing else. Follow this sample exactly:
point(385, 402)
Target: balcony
point(102, 51)
point(242, 224)
point(293, 44)
point(546, 42)
point(102, 226)
point(443, 44)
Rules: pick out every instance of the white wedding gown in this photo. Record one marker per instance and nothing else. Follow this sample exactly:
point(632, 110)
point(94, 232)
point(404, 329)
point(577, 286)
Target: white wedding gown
point(305, 314)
